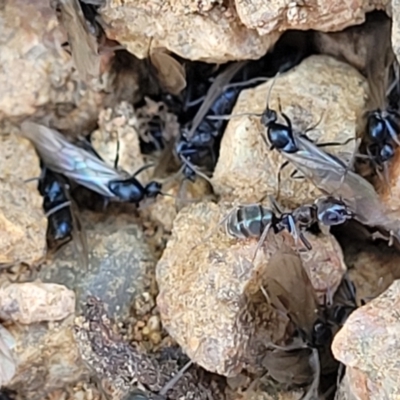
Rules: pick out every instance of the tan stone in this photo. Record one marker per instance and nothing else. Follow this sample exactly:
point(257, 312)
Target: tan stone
point(32, 302)
point(214, 35)
point(22, 221)
point(320, 92)
point(325, 15)
point(369, 343)
point(209, 285)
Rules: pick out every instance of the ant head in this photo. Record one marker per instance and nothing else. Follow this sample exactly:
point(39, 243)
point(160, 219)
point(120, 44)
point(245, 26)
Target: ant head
point(376, 126)
point(321, 333)
point(268, 116)
point(153, 189)
point(386, 152)
point(305, 215)
point(333, 212)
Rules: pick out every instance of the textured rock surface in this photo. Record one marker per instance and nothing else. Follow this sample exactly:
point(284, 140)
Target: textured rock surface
point(396, 28)
point(32, 302)
point(47, 358)
point(369, 343)
point(208, 285)
point(319, 91)
point(22, 222)
point(121, 266)
point(33, 65)
point(326, 15)
point(37, 75)
point(189, 29)
point(119, 125)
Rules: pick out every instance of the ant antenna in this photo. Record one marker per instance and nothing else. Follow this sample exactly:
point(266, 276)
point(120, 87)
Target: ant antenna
point(143, 168)
point(270, 89)
point(230, 116)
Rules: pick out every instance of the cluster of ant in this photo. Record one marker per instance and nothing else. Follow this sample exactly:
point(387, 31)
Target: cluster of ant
point(348, 195)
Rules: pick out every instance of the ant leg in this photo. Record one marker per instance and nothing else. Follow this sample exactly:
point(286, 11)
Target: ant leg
point(393, 134)
point(141, 169)
point(171, 383)
point(279, 105)
point(106, 201)
point(117, 154)
point(305, 241)
point(261, 241)
point(285, 164)
point(57, 208)
point(293, 175)
point(287, 119)
point(312, 127)
point(196, 170)
point(335, 143)
point(275, 205)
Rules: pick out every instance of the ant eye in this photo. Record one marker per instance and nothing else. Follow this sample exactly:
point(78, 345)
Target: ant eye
point(332, 218)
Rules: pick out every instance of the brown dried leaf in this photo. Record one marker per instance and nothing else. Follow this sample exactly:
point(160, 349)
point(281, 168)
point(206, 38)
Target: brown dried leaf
point(170, 73)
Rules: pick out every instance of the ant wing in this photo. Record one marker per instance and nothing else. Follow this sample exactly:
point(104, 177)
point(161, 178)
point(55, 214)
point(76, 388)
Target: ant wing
point(170, 72)
point(380, 57)
point(289, 367)
point(289, 287)
point(83, 44)
point(63, 157)
point(215, 90)
point(332, 177)
point(7, 363)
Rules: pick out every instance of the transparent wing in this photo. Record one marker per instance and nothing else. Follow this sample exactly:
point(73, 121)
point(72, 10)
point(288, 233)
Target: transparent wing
point(170, 72)
point(83, 44)
point(290, 289)
point(7, 363)
point(379, 59)
point(214, 92)
point(63, 157)
point(332, 177)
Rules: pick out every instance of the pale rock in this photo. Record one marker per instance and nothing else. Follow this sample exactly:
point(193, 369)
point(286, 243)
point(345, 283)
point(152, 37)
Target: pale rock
point(33, 63)
point(47, 358)
point(322, 93)
point(326, 15)
point(31, 302)
point(37, 75)
point(369, 344)
point(22, 221)
point(208, 285)
point(192, 30)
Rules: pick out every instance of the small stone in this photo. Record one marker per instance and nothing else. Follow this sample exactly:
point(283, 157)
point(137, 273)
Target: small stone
point(32, 302)
point(155, 337)
point(154, 323)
